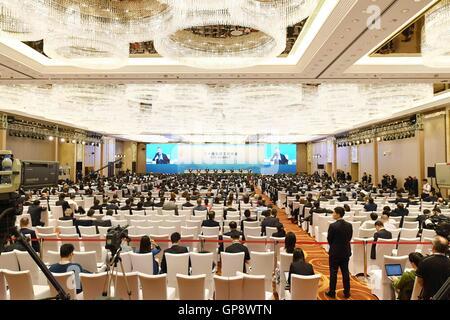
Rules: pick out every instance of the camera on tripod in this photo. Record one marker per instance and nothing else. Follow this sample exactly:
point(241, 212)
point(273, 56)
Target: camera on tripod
point(114, 238)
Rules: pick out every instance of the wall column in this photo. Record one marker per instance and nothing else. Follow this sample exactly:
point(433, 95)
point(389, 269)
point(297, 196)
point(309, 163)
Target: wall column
point(421, 157)
point(3, 131)
point(375, 162)
point(334, 159)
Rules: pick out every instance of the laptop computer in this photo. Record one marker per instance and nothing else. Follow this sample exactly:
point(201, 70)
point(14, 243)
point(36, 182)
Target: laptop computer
point(393, 270)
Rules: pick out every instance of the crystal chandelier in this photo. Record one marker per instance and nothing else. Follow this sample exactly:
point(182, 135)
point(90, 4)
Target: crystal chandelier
point(13, 25)
point(436, 36)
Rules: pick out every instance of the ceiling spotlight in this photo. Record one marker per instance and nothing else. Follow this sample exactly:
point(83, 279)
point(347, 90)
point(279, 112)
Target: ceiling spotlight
point(62, 140)
point(83, 142)
point(74, 141)
point(51, 138)
point(349, 143)
point(92, 144)
point(378, 139)
point(357, 142)
point(367, 140)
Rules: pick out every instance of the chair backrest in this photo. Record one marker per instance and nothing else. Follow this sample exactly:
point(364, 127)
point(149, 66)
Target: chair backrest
point(428, 233)
point(145, 230)
point(87, 231)
point(115, 223)
point(67, 230)
point(253, 287)
point(251, 224)
point(417, 289)
point(231, 263)
point(401, 260)
point(75, 243)
point(176, 264)
point(304, 287)
point(252, 231)
point(259, 246)
point(3, 294)
point(167, 230)
point(201, 263)
point(191, 287)
point(8, 260)
point(67, 282)
point(94, 243)
point(409, 233)
point(366, 233)
point(189, 231)
point(228, 288)
point(27, 263)
point(153, 287)
point(86, 259)
point(45, 230)
point(142, 262)
point(122, 288)
point(126, 261)
point(210, 231)
point(262, 264)
point(102, 231)
point(270, 231)
point(405, 249)
point(93, 284)
point(52, 257)
point(285, 263)
point(20, 284)
point(411, 225)
point(428, 246)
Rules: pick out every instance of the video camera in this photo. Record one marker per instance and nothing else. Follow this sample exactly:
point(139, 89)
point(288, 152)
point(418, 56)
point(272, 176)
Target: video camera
point(114, 238)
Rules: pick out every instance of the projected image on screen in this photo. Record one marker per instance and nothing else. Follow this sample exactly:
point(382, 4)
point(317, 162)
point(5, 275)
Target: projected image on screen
point(257, 158)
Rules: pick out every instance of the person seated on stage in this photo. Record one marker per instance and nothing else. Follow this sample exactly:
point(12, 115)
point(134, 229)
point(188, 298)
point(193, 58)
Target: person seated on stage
point(404, 284)
point(370, 224)
point(175, 248)
point(148, 245)
point(299, 265)
point(65, 264)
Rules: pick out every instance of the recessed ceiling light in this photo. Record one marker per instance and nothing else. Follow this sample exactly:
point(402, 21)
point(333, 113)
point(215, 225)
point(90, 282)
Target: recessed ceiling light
point(405, 10)
point(355, 20)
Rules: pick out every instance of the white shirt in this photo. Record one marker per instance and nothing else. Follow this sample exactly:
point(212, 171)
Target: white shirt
point(368, 224)
point(426, 188)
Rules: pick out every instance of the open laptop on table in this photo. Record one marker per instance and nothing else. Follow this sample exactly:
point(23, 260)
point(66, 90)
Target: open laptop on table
point(393, 270)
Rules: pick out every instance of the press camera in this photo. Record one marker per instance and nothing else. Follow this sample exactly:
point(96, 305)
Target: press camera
point(114, 238)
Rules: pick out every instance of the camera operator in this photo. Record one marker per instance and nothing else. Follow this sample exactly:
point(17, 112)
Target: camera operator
point(35, 211)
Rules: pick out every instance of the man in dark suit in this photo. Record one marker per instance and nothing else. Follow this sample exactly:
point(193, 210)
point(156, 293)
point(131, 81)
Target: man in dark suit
point(339, 236)
point(279, 158)
point(342, 197)
point(400, 211)
point(247, 215)
point(63, 203)
point(381, 233)
point(187, 203)
point(35, 211)
point(24, 222)
point(175, 248)
point(371, 205)
point(160, 157)
point(269, 221)
point(210, 222)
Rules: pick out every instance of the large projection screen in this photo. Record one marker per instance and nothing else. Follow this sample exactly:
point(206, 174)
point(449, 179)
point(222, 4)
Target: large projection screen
point(257, 158)
point(443, 174)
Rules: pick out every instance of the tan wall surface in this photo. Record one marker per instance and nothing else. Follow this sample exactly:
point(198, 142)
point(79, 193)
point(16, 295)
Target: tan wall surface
point(366, 161)
point(141, 158)
point(31, 149)
point(343, 158)
point(302, 158)
point(434, 131)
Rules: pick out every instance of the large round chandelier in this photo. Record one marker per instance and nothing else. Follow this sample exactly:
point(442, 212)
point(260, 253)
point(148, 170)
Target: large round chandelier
point(436, 36)
point(13, 25)
point(184, 41)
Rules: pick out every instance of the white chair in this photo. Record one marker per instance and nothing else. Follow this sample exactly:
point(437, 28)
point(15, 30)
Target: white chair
point(304, 287)
point(86, 259)
point(366, 233)
point(383, 249)
point(72, 239)
point(231, 263)
point(284, 265)
point(210, 231)
point(64, 223)
point(427, 247)
point(102, 231)
point(44, 230)
point(176, 264)
point(21, 286)
point(209, 244)
point(405, 249)
point(409, 233)
point(257, 244)
point(270, 231)
point(126, 262)
point(163, 240)
point(115, 223)
point(411, 225)
point(166, 230)
point(93, 285)
point(142, 262)
point(262, 264)
point(122, 286)
point(192, 287)
point(67, 282)
point(94, 243)
point(201, 263)
point(253, 224)
point(252, 231)
point(155, 287)
point(228, 288)
point(87, 231)
point(49, 243)
point(8, 260)
point(57, 212)
point(395, 233)
point(67, 230)
point(189, 231)
point(254, 288)
point(417, 289)
point(52, 257)
point(4, 295)
point(428, 233)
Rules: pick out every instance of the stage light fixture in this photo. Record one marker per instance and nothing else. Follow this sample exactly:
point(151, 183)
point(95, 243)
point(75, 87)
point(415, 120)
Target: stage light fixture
point(51, 138)
point(62, 140)
point(74, 141)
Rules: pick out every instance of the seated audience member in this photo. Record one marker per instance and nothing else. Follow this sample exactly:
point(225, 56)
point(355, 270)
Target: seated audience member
point(171, 205)
point(404, 285)
point(389, 224)
point(317, 209)
point(229, 208)
point(400, 211)
point(290, 241)
point(89, 215)
point(269, 221)
point(127, 205)
point(233, 230)
point(299, 265)
point(67, 215)
point(210, 222)
point(237, 247)
point(139, 208)
point(342, 197)
point(175, 248)
point(369, 224)
point(35, 211)
point(148, 203)
point(125, 244)
point(109, 215)
point(434, 270)
point(280, 233)
point(24, 222)
point(346, 208)
point(199, 206)
point(381, 233)
point(247, 215)
point(188, 202)
point(72, 203)
point(97, 206)
point(148, 245)
point(66, 264)
point(371, 205)
point(62, 202)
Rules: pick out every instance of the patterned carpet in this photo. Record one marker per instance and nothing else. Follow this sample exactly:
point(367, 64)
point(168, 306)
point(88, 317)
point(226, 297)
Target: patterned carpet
point(318, 257)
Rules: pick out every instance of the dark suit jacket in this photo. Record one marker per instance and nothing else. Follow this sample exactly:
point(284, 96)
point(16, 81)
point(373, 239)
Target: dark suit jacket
point(400, 213)
point(210, 223)
point(99, 207)
point(339, 236)
point(164, 160)
point(35, 213)
point(32, 233)
point(173, 249)
point(268, 222)
point(246, 219)
point(301, 268)
point(63, 203)
point(283, 159)
point(382, 234)
point(187, 204)
point(370, 207)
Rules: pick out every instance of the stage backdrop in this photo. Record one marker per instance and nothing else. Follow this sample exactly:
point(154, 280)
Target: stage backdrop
point(259, 158)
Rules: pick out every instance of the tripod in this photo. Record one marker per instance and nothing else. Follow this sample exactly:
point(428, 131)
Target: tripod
point(111, 267)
